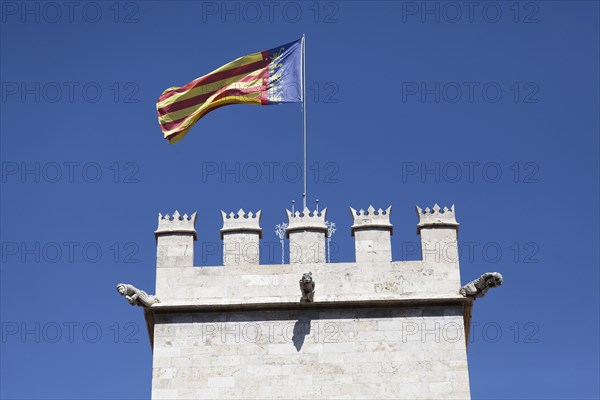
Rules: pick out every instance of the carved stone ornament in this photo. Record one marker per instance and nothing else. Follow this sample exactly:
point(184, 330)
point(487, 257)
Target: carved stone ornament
point(135, 296)
point(480, 286)
point(307, 287)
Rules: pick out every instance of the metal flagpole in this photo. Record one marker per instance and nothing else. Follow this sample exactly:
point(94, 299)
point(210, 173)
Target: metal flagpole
point(304, 194)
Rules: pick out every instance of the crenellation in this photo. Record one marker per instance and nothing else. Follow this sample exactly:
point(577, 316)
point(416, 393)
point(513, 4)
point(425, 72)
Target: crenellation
point(176, 224)
point(306, 231)
point(241, 222)
point(436, 217)
point(241, 235)
point(439, 241)
point(175, 238)
point(306, 220)
point(373, 328)
point(371, 219)
point(372, 230)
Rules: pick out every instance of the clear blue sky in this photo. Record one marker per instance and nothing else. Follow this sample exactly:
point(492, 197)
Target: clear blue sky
point(499, 103)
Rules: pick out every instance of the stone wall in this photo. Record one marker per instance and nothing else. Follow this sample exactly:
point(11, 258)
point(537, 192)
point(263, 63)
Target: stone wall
point(280, 283)
point(376, 329)
point(414, 352)
point(373, 277)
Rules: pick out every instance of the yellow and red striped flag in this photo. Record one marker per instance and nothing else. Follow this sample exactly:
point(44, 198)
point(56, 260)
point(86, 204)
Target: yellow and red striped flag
point(267, 77)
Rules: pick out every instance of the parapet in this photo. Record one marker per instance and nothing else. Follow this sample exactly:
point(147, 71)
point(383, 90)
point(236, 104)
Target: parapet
point(374, 272)
point(436, 217)
point(241, 222)
point(176, 224)
point(371, 219)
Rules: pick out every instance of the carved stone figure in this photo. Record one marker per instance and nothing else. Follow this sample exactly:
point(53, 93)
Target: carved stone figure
point(480, 286)
point(307, 287)
point(135, 296)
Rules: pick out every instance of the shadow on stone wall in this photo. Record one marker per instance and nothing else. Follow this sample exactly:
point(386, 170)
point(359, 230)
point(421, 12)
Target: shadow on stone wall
point(301, 331)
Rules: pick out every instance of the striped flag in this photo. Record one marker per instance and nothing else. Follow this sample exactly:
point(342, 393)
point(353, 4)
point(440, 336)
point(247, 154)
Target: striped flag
point(267, 77)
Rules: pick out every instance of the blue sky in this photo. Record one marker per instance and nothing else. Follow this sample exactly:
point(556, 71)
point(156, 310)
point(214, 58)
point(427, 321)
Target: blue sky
point(492, 108)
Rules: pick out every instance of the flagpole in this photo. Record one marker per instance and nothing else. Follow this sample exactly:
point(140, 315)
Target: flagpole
point(304, 194)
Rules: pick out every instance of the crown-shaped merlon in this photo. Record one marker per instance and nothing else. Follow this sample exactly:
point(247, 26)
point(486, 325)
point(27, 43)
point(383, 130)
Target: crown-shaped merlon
point(176, 224)
point(306, 220)
point(436, 217)
point(371, 219)
point(241, 222)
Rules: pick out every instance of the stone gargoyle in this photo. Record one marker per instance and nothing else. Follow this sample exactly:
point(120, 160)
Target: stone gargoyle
point(307, 287)
point(480, 286)
point(135, 296)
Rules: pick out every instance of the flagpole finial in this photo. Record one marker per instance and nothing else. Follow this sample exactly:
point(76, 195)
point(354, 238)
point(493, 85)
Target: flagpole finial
point(317, 202)
point(293, 204)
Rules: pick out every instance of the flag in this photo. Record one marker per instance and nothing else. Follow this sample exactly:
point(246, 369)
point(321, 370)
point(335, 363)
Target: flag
point(268, 77)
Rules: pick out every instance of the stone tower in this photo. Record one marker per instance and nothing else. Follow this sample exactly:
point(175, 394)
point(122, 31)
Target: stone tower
point(374, 328)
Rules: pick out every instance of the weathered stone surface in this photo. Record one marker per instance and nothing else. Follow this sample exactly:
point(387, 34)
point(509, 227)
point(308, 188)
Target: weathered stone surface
point(436, 217)
point(315, 355)
point(279, 283)
point(223, 332)
point(176, 224)
point(175, 240)
point(307, 231)
point(241, 233)
point(372, 230)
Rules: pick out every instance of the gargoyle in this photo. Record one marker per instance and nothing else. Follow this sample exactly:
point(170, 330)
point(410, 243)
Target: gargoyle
point(480, 286)
point(307, 287)
point(135, 296)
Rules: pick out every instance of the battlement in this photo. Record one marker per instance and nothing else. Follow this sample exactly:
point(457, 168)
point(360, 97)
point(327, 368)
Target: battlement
point(176, 224)
point(372, 230)
point(436, 217)
point(371, 219)
point(306, 220)
point(270, 316)
point(241, 234)
point(308, 245)
point(241, 222)
point(307, 231)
